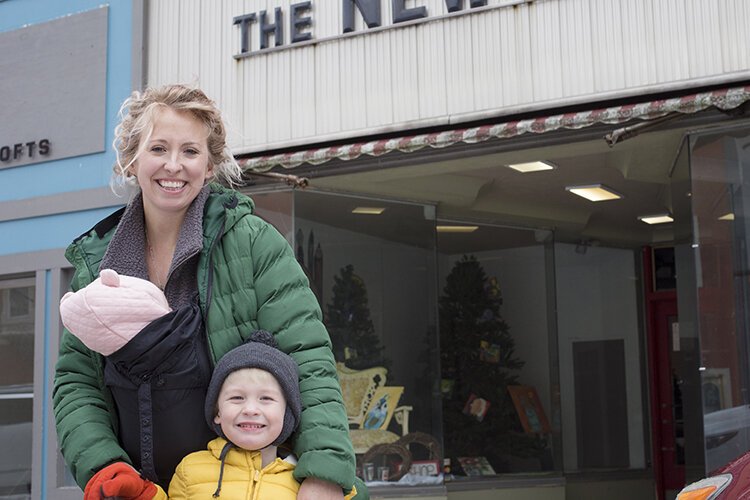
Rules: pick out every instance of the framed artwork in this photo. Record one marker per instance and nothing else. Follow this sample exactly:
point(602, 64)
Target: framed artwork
point(446, 387)
point(717, 389)
point(476, 407)
point(380, 410)
point(476, 466)
point(529, 409)
point(489, 352)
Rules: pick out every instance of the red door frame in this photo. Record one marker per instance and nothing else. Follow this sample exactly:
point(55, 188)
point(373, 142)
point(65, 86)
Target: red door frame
point(658, 304)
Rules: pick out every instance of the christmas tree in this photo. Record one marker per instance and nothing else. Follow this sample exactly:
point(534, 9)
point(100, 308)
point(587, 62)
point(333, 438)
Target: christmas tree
point(478, 363)
point(349, 324)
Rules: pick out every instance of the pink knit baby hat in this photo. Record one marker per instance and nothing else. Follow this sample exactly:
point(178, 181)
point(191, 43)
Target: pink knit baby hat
point(111, 310)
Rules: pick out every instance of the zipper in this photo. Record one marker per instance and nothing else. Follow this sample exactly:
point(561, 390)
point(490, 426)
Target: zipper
point(209, 290)
point(210, 276)
point(256, 486)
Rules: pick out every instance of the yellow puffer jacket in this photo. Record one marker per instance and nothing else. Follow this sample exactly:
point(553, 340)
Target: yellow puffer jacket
point(197, 476)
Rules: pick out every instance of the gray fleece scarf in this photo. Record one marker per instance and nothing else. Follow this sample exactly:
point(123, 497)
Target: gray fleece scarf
point(127, 253)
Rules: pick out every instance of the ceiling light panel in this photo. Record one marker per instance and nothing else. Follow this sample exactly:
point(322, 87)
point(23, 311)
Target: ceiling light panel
point(595, 192)
point(368, 210)
point(456, 229)
point(532, 166)
point(656, 219)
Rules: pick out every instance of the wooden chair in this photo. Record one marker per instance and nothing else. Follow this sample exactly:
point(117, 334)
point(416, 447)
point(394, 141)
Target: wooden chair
point(359, 388)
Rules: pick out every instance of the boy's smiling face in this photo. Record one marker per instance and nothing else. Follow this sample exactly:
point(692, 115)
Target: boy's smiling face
point(251, 408)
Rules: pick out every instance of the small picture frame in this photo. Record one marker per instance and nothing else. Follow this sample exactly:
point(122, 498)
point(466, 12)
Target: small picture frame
point(476, 407)
point(380, 410)
point(422, 467)
point(529, 409)
point(446, 387)
point(717, 389)
point(489, 352)
point(476, 466)
point(350, 353)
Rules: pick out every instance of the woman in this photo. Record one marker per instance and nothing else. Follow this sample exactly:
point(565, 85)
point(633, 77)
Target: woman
point(201, 243)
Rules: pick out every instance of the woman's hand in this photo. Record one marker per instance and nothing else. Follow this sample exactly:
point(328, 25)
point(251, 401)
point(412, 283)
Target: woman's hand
point(316, 489)
point(119, 480)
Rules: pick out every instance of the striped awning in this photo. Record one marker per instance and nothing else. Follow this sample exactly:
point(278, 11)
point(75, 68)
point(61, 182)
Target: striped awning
point(724, 99)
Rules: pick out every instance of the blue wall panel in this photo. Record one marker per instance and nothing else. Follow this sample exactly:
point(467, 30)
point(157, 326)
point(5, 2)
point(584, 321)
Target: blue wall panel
point(70, 174)
point(47, 233)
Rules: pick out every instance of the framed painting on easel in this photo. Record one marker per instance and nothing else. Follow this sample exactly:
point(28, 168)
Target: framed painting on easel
point(529, 409)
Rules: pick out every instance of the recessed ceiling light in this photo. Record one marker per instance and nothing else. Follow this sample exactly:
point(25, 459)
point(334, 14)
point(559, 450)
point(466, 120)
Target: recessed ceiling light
point(594, 192)
point(656, 219)
point(729, 216)
point(532, 166)
point(456, 229)
point(368, 210)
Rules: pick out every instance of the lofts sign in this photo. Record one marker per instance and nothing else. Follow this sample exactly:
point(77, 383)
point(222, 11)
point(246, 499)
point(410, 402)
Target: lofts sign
point(296, 24)
point(53, 79)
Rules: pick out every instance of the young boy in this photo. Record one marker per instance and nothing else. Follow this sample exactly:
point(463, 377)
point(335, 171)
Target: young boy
point(253, 403)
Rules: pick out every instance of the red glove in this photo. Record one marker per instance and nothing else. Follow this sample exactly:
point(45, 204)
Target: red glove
point(119, 480)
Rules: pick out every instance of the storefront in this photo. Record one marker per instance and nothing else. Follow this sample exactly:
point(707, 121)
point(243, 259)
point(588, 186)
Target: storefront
point(566, 326)
point(504, 336)
point(531, 333)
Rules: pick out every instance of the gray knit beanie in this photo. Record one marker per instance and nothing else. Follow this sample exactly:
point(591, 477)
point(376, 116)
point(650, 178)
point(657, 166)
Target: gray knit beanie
point(259, 351)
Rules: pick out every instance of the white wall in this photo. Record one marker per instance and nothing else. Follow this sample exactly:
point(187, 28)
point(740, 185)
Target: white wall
point(443, 69)
point(597, 300)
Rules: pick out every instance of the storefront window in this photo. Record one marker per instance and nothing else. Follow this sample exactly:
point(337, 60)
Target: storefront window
point(601, 371)
point(16, 385)
point(721, 204)
point(371, 264)
point(500, 402)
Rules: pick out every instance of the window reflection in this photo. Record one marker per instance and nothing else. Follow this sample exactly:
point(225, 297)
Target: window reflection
point(495, 376)
point(465, 353)
point(371, 264)
point(720, 205)
point(16, 386)
point(600, 345)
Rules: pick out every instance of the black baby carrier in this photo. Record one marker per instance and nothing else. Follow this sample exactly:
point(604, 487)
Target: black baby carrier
point(159, 380)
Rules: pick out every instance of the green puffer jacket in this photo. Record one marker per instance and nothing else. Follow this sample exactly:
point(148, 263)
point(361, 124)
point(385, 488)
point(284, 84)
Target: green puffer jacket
point(248, 275)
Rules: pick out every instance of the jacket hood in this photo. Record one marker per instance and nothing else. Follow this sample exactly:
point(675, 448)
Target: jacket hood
point(225, 206)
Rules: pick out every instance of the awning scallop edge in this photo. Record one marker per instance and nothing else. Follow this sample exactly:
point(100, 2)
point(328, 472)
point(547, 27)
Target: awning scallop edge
point(724, 99)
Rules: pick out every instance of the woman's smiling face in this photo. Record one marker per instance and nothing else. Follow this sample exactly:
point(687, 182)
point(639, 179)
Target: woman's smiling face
point(173, 164)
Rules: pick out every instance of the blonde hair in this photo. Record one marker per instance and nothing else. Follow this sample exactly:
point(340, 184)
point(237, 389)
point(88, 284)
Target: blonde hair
point(136, 125)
